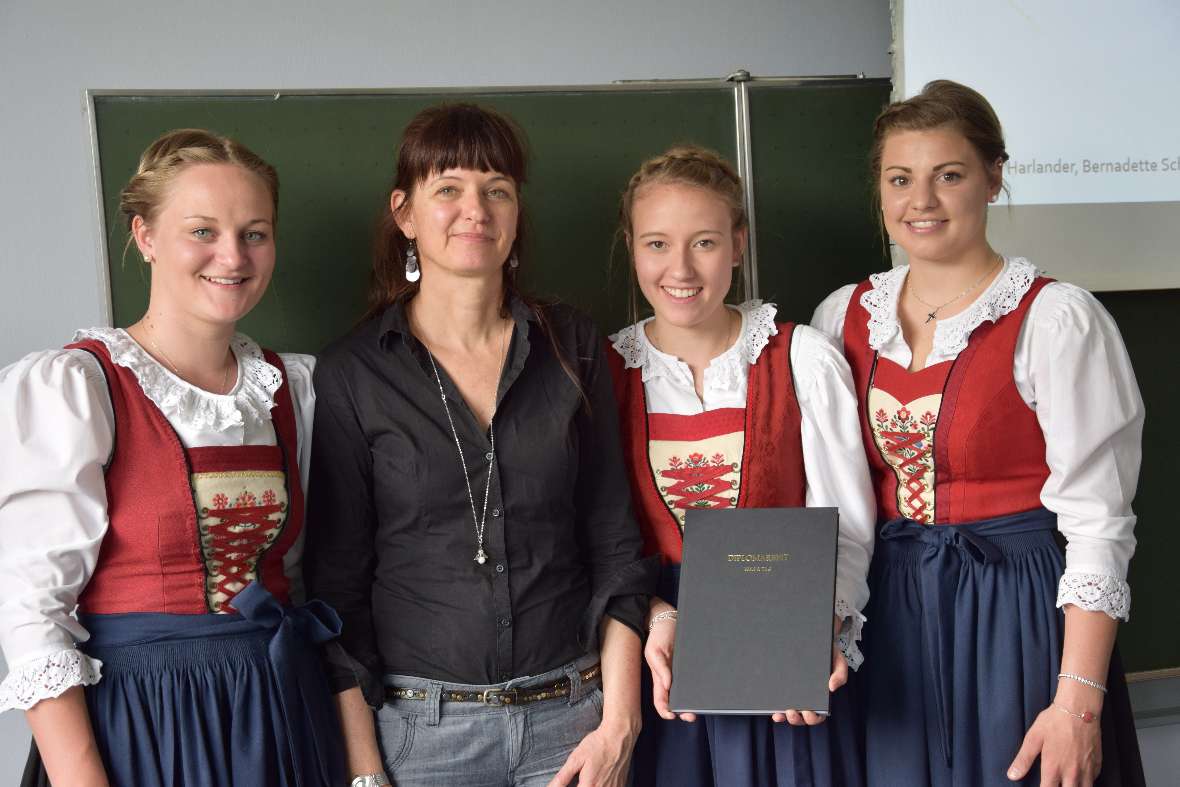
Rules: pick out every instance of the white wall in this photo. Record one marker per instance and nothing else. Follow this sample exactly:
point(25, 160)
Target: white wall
point(51, 51)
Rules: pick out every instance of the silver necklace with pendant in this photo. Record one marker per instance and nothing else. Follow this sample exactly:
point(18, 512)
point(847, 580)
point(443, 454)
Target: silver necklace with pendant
point(934, 310)
point(481, 557)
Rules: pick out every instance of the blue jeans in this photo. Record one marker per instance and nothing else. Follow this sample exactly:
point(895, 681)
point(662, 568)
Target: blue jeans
point(428, 743)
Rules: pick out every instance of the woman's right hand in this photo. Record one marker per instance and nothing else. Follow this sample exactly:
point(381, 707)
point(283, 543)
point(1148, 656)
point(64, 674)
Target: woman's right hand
point(661, 641)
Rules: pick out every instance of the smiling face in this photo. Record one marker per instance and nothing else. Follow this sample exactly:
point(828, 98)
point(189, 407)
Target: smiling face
point(463, 221)
point(211, 243)
point(685, 249)
point(934, 194)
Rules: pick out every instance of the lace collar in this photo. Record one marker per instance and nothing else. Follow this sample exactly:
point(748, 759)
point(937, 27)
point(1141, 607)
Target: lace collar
point(726, 371)
point(249, 403)
point(950, 335)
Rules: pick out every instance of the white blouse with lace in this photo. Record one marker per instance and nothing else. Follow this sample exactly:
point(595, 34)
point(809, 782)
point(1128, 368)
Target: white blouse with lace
point(57, 431)
point(833, 451)
point(1072, 369)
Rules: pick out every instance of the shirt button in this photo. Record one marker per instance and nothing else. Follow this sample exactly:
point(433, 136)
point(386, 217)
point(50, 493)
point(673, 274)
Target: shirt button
point(488, 456)
point(505, 621)
point(495, 512)
point(499, 568)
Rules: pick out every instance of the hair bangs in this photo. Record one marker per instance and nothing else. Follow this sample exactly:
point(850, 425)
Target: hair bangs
point(460, 136)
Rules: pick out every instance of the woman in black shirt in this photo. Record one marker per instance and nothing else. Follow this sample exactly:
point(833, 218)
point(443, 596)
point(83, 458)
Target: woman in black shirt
point(469, 518)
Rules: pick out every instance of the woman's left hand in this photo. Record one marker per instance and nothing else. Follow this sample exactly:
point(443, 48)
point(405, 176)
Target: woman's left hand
point(602, 759)
point(1070, 750)
point(837, 679)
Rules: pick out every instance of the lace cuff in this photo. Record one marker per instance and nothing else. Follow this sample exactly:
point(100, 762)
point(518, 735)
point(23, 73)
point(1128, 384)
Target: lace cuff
point(1095, 593)
point(48, 677)
point(849, 633)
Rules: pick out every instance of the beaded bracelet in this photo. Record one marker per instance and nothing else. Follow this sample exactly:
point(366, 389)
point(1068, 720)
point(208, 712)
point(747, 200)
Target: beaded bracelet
point(1084, 681)
point(1085, 716)
point(667, 614)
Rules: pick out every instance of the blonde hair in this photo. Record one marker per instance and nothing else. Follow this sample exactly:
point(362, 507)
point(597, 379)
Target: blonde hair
point(175, 151)
point(687, 165)
point(683, 165)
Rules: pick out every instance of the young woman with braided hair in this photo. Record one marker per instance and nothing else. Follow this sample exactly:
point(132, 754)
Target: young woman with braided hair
point(725, 406)
point(153, 479)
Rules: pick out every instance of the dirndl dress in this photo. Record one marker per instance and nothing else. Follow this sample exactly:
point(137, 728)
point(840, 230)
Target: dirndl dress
point(964, 640)
point(211, 677)
point(227, 700)
point(964, 651)
point(735, 457)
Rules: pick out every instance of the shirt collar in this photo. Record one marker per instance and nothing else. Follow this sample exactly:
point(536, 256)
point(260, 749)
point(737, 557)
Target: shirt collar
point(394, 319)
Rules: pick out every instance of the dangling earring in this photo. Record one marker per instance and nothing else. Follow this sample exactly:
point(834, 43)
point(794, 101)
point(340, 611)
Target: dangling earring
point(513, 262)
point(413, 273)
point(149, 259)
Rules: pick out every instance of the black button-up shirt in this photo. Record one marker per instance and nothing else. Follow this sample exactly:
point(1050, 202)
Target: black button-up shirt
point(391, 541)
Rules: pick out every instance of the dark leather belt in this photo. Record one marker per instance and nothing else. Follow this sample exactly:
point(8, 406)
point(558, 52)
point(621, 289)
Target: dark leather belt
point(498, 696)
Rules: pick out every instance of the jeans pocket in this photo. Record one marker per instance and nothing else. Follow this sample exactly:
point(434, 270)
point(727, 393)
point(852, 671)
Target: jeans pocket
point(595, 695)
point(395, 736)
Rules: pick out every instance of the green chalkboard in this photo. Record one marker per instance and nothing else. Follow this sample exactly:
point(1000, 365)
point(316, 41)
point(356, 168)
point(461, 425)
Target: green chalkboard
point(815, 232)
point(815, 229)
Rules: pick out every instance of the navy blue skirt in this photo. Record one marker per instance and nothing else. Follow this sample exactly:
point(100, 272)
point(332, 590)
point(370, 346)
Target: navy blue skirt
point(235, 700)
point(962, 650)
point(746, 751)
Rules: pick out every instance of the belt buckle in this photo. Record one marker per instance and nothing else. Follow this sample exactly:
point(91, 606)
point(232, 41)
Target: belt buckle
point(497, 697)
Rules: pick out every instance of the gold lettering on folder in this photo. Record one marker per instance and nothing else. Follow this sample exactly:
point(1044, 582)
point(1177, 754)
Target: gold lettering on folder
point(758, 562)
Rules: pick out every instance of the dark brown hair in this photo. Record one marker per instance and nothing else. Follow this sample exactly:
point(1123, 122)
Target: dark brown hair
point(175, 151)
point(454, 136)
point(942, 103)
point(439, 138)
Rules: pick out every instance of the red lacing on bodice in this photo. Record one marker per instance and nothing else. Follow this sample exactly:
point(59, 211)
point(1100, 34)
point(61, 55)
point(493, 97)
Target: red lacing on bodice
point(237, 551)
point(897, 445)
point(699, 482)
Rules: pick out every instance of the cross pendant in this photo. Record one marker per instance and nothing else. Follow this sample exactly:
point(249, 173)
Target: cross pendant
point(930, 316)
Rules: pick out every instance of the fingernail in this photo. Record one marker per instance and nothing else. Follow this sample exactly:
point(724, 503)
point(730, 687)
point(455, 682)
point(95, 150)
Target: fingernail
point(1012, 774)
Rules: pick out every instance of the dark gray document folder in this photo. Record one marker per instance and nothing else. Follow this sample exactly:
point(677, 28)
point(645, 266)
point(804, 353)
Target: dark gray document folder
point(757, 588)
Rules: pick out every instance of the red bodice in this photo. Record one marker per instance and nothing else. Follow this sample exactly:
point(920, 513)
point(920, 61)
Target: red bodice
point(953, 442)
point(189, 528)
point(763, 439)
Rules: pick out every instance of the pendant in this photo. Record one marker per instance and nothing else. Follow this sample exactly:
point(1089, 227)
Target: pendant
point(481, 557)
point(930, 316)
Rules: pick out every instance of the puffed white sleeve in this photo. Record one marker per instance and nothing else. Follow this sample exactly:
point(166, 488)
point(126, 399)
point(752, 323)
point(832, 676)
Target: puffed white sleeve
point(1073, 369)
point(837, 473)
point(299, 369)
point(56, 435)
point(829, 315)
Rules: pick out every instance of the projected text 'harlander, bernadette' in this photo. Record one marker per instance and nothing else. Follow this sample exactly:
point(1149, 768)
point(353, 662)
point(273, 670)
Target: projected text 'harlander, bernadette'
point(1060, 166)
